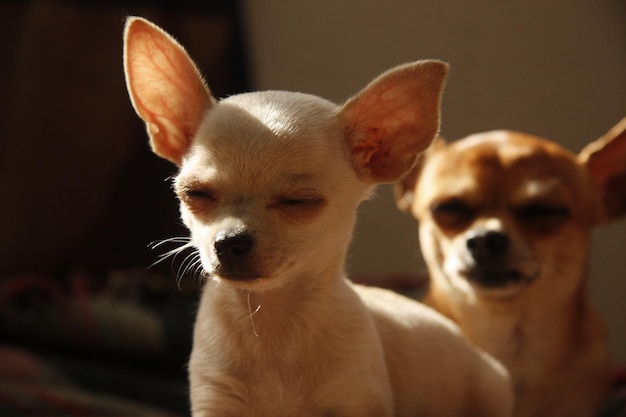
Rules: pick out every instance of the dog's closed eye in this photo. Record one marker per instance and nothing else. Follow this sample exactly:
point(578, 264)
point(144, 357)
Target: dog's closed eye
point(452, 213)
point(299, 208)
point(192, 194)
point(196, 198)
point(294, 202)
point(543, 218)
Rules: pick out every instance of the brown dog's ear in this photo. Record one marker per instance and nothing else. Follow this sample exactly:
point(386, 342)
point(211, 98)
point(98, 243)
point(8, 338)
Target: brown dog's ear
point(393, 119)
point(165, 87)
point(605, 160)
point(404, 189)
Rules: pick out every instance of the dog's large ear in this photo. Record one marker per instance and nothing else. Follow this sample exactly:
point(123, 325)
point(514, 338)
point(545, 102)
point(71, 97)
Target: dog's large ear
point(393, 119)
point(404, 189)
point(165, 87)
point(605, 160)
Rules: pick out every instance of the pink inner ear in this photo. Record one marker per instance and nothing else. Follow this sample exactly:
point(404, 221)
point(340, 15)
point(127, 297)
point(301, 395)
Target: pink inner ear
point(390, 113)
point(165, 86)
point(394, 118)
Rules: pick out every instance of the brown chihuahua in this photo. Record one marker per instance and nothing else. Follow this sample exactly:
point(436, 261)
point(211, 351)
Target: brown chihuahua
point(505, 220)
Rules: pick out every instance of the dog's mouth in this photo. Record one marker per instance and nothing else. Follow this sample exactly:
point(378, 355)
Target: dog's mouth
point(501, 283)
point(494, 277)
point(236, 275)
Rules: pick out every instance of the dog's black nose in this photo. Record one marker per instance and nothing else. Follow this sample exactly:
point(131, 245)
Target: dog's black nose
point(233, 246)
point(487, 244)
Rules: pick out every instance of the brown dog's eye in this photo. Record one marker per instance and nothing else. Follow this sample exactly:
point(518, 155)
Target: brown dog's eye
point(453, 213)
point(543, 218)
point(540, 210)
point(294, 202)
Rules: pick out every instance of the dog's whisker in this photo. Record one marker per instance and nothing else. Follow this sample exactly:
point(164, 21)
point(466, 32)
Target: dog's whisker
point(251, 315)
point(178, 239)
point(184, 265)
point(189, 265)
point(201, 273)
point(171, 253)
point(192, 266)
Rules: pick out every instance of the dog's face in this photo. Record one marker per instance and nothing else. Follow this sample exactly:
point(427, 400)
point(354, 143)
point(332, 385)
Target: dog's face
point(269, 181)
point(267, 190)
point(499, 210)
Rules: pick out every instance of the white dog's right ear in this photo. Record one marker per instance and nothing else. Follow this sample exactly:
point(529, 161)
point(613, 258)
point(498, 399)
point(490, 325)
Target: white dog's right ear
point(165, 87)
point(393, 119)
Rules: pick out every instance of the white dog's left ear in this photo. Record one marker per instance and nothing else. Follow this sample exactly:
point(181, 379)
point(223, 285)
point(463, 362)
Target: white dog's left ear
point(393, 119)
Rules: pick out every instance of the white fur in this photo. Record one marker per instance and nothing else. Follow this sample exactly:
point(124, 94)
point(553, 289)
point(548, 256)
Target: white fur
point(280, 331)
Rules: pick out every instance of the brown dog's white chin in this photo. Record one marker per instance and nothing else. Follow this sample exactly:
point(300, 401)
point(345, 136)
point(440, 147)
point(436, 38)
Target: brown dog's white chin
point(505, 292)
point(506, 286)
point(474, 291)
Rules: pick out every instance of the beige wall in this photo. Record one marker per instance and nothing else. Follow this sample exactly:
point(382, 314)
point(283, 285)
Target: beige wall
point(556, 69)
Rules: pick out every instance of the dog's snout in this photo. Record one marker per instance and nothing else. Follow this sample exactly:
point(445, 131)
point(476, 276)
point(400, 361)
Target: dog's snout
point(234, 245)
point(487, 244)
point(236, 258)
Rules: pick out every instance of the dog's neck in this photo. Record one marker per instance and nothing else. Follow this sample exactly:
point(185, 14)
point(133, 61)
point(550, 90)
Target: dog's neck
point(508, 328)
point(546, 345)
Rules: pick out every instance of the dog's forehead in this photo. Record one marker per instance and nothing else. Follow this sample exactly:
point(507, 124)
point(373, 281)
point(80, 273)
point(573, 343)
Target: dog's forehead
point(269, 135)
point(503, 160)
point(283, 113)
point(509, 145)
point(507, 152)
point(270, 122)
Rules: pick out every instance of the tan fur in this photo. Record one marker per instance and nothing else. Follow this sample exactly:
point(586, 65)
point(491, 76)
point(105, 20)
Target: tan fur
point(545, 201)
point(269, 183)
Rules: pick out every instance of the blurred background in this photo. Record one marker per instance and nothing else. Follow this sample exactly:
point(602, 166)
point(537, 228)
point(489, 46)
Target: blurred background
point(82, 196)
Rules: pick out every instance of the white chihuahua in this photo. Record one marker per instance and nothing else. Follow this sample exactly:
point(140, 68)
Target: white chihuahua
point(269, 184)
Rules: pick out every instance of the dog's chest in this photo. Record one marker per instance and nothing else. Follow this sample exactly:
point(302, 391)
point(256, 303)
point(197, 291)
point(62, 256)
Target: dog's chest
point(271, 363)
point(276, 398)
point(254, 382)
point(278, 389)
point(297, 399)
